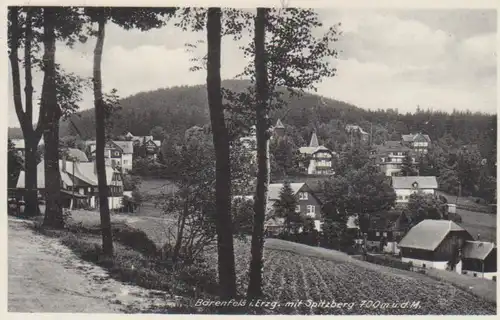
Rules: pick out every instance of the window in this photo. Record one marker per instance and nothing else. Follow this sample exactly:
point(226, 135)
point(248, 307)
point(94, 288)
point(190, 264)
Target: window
point(125, 161)
point(494, 278)
point(400, 197)
point(400, 153)
point(382, 159)
point(303, 196)
point(424, 266)
point(406, 197)
point(377, 234)
point(297, 209)
point(475, 274)
point(385, 234)
point(311, 210)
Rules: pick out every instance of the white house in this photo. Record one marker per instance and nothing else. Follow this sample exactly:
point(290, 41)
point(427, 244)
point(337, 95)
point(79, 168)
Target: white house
point(116, 153)
point(404, 187)
point(433, 244)
point(319, 157)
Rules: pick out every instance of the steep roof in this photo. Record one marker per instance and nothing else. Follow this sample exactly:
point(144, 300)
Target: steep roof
point(126, 146)
point(477, 249)
point(76, 154)
point(314, 140)
point(417, 136)
point(275, 188)
point(83, 171)
point(428, 234)
point(421, 182)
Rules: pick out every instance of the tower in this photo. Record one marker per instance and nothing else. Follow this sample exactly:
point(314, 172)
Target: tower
point(279, 128)
point(314, 141)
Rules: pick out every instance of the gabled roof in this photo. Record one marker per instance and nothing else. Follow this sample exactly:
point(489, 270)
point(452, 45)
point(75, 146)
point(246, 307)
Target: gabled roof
point(126, 146)
point(275, 188)
point(477, 249)
point(350, 127)
point(314, 141)
point(76, 154)
point(428, 234)
point(417, 136)
point(420, 182)
point(84, 171)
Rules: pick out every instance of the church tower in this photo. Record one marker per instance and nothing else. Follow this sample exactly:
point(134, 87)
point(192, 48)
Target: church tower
point(279, 128)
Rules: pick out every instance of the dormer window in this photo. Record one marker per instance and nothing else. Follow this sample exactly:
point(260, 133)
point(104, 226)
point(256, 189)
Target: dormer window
point(303, 196)
point(415, 185)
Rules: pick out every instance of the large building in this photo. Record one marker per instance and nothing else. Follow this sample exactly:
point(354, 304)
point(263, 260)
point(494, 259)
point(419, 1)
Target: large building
point(479, 259)
point(79, 183)
point(434, 244)
point(318, 158)
point(390, 155)
point(404, 187)
point(117, 154)
point(418, 142)
point(354, 129)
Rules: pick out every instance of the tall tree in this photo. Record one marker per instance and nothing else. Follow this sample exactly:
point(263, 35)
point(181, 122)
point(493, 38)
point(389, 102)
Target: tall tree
point(127, 18)
point(31, 135)
point(286, 207)
point(408, 167)
point(263, 164)
point(51, 115)
point(101, 17)
point(293, 58)
point(14, 164)
point(226, 266)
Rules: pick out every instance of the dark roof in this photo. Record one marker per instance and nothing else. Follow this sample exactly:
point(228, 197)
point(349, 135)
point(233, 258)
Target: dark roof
point(477, 249)
point(416, 137)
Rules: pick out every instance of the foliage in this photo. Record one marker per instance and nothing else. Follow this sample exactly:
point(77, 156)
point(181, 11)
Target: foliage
point(131, 182)
point(423, 206)
point(158, 133)
point(286, 207)
point(408, 167)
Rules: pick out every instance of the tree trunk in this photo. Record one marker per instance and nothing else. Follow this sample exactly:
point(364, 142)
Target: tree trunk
point(263, 164)
point(31, 137)
point(100, 114)
point(53, 211)
point(180, 233)
point(226, 269)
point(30, 177)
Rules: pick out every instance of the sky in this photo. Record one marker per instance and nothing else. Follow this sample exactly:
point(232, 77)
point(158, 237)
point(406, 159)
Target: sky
point(441, 59)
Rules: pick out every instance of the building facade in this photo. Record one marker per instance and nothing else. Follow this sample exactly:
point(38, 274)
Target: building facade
point(418, 142)
point(318, 159)
point(389, 157)
point(404, 187)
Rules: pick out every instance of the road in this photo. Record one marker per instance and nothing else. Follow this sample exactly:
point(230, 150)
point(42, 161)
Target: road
point(45, 276)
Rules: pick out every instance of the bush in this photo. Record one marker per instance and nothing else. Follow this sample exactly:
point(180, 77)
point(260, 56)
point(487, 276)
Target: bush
point(455, 217)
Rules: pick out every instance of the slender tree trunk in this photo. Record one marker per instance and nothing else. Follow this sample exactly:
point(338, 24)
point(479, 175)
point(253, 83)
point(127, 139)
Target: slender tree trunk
point(263, 165)
point(107, 239)
point(181, 224)
point(226, 269)
point(31, 136)
point(52, 114)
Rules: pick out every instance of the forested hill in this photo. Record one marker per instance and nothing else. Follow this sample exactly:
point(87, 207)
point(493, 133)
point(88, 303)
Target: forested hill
point(176, 109)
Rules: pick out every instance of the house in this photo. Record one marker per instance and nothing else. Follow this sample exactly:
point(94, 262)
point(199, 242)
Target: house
point(404, 187)
point(117, 154)
point(153, 148)
point(79, 182)
point(318, 159)
point(352, 129)
point(390, 155)
point(19, 146)
point(479, 259)
point(434, 244)
point(419, 142)
point(309, 205)
point(387, 226)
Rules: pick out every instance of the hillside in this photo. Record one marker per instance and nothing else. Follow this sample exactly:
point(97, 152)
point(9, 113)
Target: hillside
point(179, 108)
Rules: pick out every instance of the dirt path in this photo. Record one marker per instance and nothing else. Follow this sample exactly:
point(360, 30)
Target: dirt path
point(45, 276)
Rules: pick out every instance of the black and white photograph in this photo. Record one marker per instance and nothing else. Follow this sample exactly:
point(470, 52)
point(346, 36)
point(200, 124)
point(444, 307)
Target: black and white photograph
point(292, 159)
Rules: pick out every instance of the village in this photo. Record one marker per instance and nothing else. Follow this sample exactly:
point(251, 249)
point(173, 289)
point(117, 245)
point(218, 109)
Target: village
point(435, 244)
point(269, 161)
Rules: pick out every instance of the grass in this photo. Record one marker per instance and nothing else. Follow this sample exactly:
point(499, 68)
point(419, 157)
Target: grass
point(292, 272)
